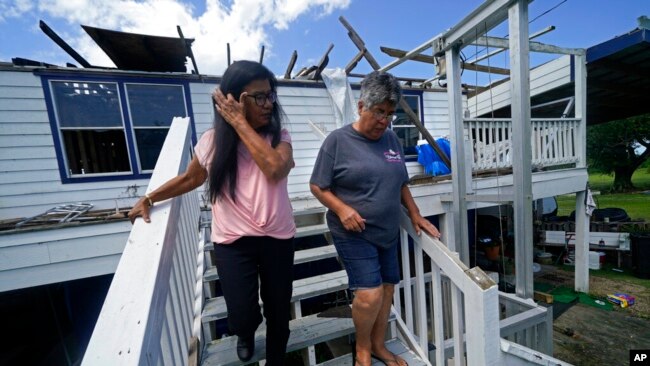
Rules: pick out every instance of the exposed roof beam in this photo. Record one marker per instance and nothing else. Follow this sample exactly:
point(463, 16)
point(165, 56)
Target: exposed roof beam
point(534, 46)
point(430, 60)
point(323, 62)
point(487, 16)
point(412, 54)
point(64, 45)
point(496, 52)
point(417, 80)
point(292, 63)
point(355, 60)
point(188, 49)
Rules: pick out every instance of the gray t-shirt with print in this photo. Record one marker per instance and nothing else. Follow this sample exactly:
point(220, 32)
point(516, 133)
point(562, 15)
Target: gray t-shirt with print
point(367, 175)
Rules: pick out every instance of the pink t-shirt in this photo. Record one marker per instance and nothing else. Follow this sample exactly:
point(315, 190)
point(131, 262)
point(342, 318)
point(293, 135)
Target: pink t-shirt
point(263, 208)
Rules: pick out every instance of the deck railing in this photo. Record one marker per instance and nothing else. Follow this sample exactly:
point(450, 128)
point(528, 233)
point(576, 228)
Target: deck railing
point(474, 300)
point(553, 142)
point(150, 313)
point(461, 311)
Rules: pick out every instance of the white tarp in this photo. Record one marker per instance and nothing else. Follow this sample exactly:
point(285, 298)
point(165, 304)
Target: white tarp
point(340, 92)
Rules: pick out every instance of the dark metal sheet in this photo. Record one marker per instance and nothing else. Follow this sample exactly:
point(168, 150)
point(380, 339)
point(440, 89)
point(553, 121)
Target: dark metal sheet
point(141, 52)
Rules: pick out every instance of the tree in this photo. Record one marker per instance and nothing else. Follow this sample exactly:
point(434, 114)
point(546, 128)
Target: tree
point(619, 148)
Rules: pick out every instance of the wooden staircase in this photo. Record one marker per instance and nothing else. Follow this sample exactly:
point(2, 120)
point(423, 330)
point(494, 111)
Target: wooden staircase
point(306, 331)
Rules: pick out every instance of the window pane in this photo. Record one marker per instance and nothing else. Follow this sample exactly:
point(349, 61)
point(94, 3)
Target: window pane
point(409, 137)
point(149, 142)
point(402, 118)
point(87, 104)
point(155, 105)
point(96, 151)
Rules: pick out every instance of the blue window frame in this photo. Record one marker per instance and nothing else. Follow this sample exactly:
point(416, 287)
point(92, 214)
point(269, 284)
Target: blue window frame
point(109, 128)
point(405, 129)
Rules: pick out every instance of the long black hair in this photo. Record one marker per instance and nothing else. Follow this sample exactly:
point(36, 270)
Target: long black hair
point(223, 170)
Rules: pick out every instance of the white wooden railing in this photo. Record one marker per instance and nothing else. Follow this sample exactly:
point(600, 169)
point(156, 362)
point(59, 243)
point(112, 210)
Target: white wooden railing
point(461, 311)
point(553, 142)
point(152, 309)
point(474, 299)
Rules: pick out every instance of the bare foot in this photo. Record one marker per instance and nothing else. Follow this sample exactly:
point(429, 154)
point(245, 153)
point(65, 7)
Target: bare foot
point(388, 358)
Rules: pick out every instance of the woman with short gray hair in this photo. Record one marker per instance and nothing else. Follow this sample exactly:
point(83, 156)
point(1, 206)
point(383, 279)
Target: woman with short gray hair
point(360, 176)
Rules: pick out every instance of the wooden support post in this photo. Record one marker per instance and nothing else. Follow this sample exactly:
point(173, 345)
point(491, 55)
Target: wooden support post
point(581, 108)
point(483, 341)
point(522, 155)
point(459, 242)
point(409, 112)
point(582, 244)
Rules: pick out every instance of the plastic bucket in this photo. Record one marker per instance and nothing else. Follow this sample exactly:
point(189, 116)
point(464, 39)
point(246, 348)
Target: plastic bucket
point(544, 258)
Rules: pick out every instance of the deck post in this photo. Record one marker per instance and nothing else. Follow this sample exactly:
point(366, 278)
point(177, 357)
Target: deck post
point(581, 109)
point(582, 244)
point(483, 341)
point(582, 219)
point(460, 241)
point(522, 155)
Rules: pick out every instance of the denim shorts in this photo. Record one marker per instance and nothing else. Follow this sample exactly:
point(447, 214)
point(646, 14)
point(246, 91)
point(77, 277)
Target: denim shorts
point(367, 265)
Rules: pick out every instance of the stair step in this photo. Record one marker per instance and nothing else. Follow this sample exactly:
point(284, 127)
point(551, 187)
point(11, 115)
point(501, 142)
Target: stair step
point(394, 345)
point(314, 254)
point(305, 331)
point(215, 308)
point(311, 230)
point(301, 256)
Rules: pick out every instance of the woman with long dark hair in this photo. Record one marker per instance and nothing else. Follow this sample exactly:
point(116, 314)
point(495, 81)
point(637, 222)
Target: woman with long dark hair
point(246, 159)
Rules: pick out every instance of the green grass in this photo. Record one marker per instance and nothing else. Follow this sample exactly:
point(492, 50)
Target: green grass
point(608, 272)
point(603, 182)
point(637, 205)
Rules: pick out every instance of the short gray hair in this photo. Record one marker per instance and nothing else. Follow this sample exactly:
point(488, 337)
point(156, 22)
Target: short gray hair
point(378, 87)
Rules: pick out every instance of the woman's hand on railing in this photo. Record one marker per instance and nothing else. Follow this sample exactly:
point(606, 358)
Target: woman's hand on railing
point(421, 224)
point(140, 209)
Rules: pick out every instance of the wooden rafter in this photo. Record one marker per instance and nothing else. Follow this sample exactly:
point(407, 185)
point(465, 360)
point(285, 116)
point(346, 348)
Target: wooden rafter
point(430, 60)
point(292, 63)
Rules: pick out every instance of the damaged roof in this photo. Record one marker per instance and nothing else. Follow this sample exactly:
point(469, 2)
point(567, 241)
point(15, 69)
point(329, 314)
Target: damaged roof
point(141, 52)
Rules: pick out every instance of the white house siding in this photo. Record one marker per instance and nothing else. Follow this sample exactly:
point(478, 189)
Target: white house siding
point(436, 113)
point(30, 182)
point(38, 257)
point(542, 78)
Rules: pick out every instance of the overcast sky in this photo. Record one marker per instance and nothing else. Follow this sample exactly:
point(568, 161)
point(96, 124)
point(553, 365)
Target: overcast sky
point(307, 26)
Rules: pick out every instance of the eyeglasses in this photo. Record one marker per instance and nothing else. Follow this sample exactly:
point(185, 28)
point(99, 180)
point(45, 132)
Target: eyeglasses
point(261, 98)
point(389, 117)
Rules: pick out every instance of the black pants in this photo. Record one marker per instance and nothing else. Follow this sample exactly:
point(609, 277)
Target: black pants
point(239, 264)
